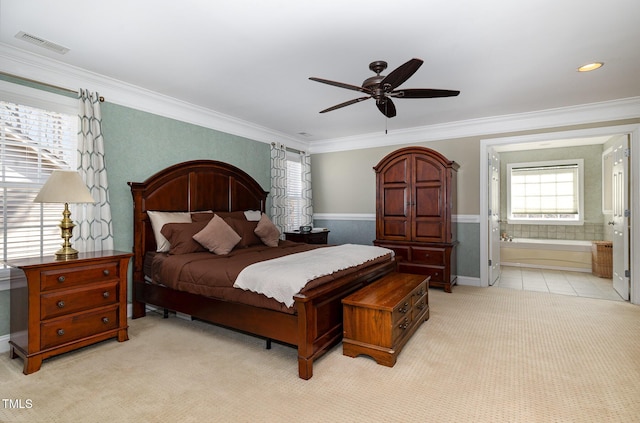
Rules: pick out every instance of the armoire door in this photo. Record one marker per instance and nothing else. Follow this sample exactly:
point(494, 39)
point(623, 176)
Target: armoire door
point(428, 199)
point(394, 200)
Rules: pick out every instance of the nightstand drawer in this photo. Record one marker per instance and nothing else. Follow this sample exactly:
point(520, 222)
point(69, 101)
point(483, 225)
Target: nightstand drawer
point(60, 331)
point(62, 278)
point(59, 303)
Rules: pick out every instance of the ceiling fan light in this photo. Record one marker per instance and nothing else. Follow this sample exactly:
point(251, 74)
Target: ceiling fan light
point(590, 67)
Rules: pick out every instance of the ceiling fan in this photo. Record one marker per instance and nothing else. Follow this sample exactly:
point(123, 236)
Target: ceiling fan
point(382, 88)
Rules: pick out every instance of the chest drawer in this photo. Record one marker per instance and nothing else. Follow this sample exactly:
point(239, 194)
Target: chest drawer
point(62, 330)
point(63, 278)
point(58, 303)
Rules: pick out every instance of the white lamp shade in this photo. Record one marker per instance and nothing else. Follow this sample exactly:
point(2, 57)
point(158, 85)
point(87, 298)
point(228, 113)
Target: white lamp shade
point(64, 186)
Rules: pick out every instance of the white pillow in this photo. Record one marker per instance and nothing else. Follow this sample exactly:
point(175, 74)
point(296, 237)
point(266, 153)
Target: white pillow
point(159, 219)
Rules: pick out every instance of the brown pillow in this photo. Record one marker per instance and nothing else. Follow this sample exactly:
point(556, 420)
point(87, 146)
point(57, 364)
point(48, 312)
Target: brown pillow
point(159, 219)
point(217, 236)
point(267, 231)
point(245, 229)
point(180, 237)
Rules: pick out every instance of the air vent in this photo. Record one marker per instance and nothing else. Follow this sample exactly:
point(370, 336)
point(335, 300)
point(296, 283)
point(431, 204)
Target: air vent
point(41, 42)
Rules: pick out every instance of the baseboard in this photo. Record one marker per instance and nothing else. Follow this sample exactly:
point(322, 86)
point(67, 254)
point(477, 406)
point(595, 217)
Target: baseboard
point(4, 344)
point(468, 281)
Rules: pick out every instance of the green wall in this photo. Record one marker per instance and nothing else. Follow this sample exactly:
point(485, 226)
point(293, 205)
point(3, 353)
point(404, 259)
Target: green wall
point(139, 144)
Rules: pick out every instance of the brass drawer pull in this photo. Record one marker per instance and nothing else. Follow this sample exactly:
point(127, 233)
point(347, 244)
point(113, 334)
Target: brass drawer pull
point(419, 293)
point(105, 272)
point(61, 279)
point(420, 305)
point(60, 332)
point(105, 320)
point(404, 308)
point(404, 324)
point(105, 294)
point(60, 304)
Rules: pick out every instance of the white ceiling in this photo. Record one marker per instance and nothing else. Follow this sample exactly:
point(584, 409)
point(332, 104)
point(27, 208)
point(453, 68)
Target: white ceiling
point(251, 60)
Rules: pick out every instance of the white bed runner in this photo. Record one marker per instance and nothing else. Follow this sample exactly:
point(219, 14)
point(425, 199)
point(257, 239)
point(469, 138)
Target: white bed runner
point(283, 277)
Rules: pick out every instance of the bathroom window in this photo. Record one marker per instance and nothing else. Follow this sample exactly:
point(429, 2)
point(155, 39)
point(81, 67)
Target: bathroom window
point(545, 192)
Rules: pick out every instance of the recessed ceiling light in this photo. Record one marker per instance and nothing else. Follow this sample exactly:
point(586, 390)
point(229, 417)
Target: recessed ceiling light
point(590, 66)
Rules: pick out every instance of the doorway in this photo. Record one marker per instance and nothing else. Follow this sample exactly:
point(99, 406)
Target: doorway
point(487, 220)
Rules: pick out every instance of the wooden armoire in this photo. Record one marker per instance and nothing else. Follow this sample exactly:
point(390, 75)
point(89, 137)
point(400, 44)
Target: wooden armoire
point(415, 200)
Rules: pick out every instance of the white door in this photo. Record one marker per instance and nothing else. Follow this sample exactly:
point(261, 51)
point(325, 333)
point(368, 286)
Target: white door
point(494, 215)
point(620, 203)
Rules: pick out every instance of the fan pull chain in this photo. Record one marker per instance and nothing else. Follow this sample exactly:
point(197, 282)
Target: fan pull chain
point(386, 117)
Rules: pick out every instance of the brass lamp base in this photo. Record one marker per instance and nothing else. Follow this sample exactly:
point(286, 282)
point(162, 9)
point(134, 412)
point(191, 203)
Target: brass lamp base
point(66, 225)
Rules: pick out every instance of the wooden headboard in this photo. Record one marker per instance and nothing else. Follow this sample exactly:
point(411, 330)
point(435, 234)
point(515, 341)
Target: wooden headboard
point(189, 186)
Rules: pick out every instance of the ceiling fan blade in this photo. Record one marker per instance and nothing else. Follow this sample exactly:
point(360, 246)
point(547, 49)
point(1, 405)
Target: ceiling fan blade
point(401, 74)
point(387, 107)
point(341, 85)
point(423, 93)
point(346, 103)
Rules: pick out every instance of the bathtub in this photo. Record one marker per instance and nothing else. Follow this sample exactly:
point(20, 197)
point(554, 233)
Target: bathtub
point(557, 254)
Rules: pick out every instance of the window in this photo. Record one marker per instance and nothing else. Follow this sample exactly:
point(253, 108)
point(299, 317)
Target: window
point(37, 135)
point(545, 192)
point(294, 191)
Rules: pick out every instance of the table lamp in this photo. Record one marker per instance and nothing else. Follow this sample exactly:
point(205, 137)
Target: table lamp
point(65, 186)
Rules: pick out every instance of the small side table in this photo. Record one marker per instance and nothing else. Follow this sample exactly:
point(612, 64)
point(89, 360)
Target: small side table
point(62, 305)
point(319, 237)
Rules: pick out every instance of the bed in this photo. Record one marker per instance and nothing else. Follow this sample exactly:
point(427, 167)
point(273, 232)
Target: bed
point(313, 324)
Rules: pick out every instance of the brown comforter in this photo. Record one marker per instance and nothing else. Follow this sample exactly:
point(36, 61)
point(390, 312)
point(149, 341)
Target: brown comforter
point(213, 275)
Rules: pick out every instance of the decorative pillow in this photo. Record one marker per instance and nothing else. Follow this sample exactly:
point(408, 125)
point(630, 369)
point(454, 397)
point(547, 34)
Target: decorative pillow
point(180, 237)
point(159, 219)
point(267, 231)
point(217, 236)
point(245, 229)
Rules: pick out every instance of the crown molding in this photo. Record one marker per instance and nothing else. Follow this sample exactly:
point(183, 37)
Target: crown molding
point(49, 71)
point(626, 108)
point(39, 68)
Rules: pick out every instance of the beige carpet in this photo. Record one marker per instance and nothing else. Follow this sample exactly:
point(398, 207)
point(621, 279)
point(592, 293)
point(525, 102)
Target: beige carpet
point(486, 355)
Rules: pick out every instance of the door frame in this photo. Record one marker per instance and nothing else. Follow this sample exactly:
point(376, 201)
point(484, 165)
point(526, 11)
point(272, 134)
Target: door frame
point(634, 182)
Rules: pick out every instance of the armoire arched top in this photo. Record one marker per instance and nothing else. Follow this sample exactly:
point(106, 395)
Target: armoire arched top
point(416, 150)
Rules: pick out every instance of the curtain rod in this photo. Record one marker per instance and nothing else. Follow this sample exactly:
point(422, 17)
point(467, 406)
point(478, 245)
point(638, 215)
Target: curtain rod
point(293, 150)
point(22, 78)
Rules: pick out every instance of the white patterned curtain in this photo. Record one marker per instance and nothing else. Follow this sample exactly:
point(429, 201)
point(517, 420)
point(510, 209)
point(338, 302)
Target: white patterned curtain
point(307, 209)
point(279, 186)
point(95, 228)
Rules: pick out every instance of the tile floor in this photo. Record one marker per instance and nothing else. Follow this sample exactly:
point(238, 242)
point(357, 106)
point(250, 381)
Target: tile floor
point(578, 284)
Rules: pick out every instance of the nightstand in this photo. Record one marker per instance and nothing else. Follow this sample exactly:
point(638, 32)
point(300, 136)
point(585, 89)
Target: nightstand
point(62, 305)
point(319, 237)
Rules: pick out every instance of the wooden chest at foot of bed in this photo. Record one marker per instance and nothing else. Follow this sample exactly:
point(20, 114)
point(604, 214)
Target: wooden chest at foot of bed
point(380, 318)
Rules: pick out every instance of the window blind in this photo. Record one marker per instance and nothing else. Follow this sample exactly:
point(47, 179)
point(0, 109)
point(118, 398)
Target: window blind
point(33, 142)
point(294, 190)
point(545, 190)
